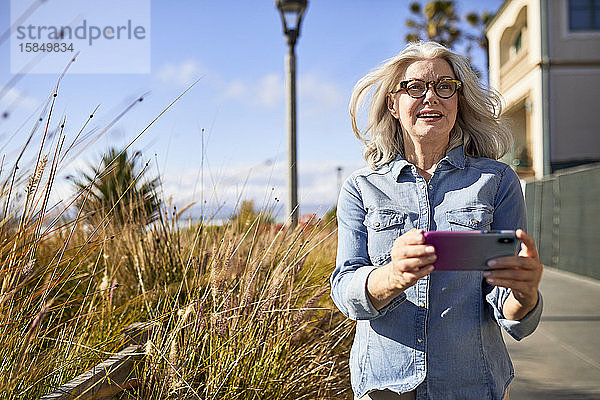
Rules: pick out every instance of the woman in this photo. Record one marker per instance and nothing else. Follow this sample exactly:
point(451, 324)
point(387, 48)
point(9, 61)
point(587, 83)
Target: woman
point(435, 136)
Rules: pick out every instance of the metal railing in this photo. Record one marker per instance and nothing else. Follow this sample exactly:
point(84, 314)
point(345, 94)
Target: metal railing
point(563, 214)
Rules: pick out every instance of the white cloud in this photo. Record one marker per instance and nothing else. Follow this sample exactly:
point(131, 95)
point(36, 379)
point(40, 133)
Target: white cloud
point(265, 184)
point(318, 93)
point(182, 74)
point(270, 90)
point(267, 92)
point(15, 98)
point(234, 90)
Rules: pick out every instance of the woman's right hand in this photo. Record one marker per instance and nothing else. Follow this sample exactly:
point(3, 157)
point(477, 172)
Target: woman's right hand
point(412, 259)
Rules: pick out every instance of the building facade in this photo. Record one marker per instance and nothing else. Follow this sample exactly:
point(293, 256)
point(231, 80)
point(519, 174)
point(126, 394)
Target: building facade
point(544, 58)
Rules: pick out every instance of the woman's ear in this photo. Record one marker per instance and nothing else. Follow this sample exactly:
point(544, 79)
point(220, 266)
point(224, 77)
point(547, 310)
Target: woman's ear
point(389, 99)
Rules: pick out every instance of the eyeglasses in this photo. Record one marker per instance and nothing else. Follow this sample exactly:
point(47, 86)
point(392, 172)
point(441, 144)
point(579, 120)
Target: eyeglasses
point(416, 88)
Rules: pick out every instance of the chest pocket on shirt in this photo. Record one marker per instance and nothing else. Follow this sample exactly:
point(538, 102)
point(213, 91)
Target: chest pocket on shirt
point(384, 225)
point(471, 217)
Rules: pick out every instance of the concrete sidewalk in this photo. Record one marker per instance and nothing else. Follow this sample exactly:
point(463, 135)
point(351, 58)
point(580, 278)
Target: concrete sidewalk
point(561, 359)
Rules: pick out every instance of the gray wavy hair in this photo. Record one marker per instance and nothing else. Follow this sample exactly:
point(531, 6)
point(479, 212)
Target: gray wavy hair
point(478, 126)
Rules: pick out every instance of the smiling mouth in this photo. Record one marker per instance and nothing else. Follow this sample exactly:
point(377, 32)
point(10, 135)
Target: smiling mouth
point(430, 116)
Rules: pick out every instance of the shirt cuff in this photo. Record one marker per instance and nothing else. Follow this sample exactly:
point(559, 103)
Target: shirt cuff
point(526, 325)
point(360, 306)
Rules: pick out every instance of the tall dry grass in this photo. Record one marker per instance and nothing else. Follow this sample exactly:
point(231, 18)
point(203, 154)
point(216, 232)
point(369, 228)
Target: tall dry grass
point(250, 319)
point(239, 311)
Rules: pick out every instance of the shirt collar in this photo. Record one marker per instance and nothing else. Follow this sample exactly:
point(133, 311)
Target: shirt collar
point(398, 165)
point(455, 157)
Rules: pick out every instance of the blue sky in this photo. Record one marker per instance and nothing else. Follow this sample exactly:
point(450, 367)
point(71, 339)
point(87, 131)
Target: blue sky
point(237, 50)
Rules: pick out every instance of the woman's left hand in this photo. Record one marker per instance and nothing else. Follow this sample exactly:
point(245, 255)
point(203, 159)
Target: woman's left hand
point(521, 273)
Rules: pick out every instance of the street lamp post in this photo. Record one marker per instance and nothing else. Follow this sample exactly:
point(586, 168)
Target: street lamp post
point(291, 17)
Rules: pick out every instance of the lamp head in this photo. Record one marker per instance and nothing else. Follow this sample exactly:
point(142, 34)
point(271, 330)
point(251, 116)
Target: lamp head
point(291, 16)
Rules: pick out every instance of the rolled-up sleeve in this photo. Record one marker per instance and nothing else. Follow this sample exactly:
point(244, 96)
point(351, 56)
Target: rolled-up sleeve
point(353, 265)
point(517, 329)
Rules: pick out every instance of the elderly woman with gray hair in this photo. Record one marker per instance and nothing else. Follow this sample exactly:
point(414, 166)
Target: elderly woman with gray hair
point(432, 141)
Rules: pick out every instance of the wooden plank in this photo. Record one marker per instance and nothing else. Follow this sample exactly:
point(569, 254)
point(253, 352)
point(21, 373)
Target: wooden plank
point(103, 380)
point(111, 376)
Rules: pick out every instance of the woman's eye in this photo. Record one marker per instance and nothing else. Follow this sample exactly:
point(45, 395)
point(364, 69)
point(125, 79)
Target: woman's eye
point(416, 87)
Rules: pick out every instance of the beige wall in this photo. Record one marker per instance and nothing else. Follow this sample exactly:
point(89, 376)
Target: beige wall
point(503, 25)
point(519, 79)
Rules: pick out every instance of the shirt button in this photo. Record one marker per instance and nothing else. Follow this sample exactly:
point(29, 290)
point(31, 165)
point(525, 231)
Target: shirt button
point(430, 187)
point(377, 224)
point(424, 212)
point(419, 375)
point(421, 304)
point(420, 340)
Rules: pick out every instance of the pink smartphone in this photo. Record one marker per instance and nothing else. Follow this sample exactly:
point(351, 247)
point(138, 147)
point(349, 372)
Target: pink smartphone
point(470, 250)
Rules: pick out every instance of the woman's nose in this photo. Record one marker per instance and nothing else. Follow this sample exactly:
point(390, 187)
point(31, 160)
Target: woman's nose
point(430, 96)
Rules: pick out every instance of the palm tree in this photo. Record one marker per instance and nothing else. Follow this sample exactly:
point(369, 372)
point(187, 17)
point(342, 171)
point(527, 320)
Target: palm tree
point(479, 22)
point(437, 21)
point(118, 187)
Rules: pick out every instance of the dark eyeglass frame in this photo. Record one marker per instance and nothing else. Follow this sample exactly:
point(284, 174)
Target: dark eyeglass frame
point(404, 86)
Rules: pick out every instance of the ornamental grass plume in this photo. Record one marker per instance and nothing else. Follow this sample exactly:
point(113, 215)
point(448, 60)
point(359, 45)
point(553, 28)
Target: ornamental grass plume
point(31, 331)
point(15, 281)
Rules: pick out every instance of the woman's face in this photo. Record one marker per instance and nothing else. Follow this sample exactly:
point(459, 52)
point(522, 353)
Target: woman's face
point(428, 119)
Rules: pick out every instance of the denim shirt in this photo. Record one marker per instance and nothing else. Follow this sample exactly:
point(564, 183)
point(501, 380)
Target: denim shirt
point(442, 335)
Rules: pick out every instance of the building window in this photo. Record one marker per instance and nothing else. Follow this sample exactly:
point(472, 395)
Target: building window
point(517, 42)
point(584, 15)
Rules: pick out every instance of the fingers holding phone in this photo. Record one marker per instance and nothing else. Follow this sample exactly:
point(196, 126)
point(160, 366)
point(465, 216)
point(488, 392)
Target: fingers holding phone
point(412, 259)
point(521, 273)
